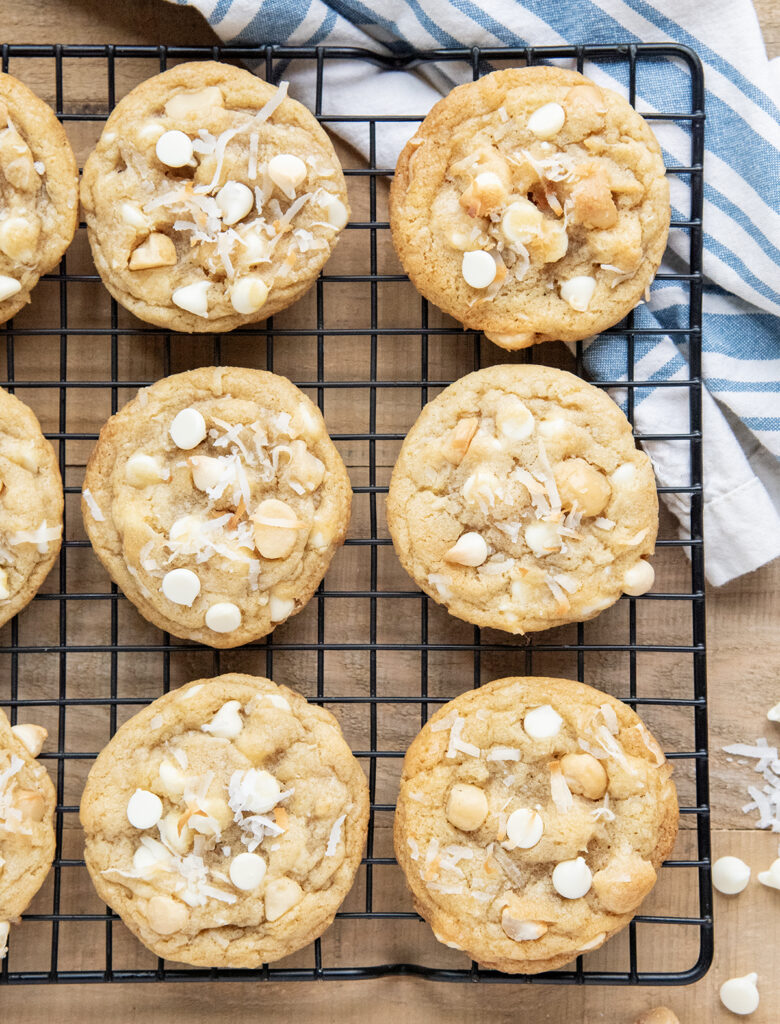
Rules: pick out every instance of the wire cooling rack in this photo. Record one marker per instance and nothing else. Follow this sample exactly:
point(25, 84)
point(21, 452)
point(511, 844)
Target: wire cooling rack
point(369, 646)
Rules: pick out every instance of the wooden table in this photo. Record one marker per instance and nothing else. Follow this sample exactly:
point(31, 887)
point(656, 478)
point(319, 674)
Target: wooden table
point(744, 657)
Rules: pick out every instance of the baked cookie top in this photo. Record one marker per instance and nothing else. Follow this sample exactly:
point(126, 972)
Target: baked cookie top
point(216, 500)
point(520, 501)
point(212, 199)
point(532, 818)
point(531, 205)
point(225, 822)
point(31, 506)
point(39, 199)
point(27, 803)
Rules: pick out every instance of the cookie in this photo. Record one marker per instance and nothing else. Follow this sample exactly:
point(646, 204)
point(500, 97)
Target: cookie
point(531, 205)
point(216, 500)
point(533, 816)
point(31, 504)
point(212, 199)
point(39, 193)
point(27, 803)
point(520, 501)
point(225, 822)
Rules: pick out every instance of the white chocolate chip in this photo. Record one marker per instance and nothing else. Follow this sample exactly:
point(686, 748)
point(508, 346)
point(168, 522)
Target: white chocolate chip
point(639, 578)
point(467, 806)
point(572, 878)
point(226, 723)
point(740, 995)
point(200, 101)
point(514, 419)
point(133, 215)
point(5, 928)
point(770, 878)
point(144, 809)
point(521, 931)
point(172, 778)
point(521, 222)
point(248, 294)
point(280, 607)
point(578, 291)
point(730, 875)
point(157, 250)
point(277, 701)
point(261, 791)
point(247, 871)
point(19, 237)
point(478, 268)
point(32, 737)
point(524, 828)
point(166, 915)
point(335, 211)
point(8, 286)
point(547, 121)
point(174, 148)
point(188, 429)
point(223, 617)
point(542, 538)
point(624, 475)
point(556, 429)
point(235, 200)
point(193, 298)
point(181, 586)
point(206, 471)
point(774, 713)
point(470, 549)
point(281, 895)
point(287, 171)
point(142, 470)
point(542, 723)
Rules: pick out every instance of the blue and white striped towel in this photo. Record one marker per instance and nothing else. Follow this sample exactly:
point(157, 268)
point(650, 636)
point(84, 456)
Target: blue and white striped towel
point(741, 362)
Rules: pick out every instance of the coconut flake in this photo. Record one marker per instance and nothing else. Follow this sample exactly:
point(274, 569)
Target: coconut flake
point(610, 718)
point(509, 867)
point(40, 536)
point(93, 506)
point(561, 794)
point(414, 847)
point(335, 836)
point(603, 811)
point(604, 524)
point(503, 754)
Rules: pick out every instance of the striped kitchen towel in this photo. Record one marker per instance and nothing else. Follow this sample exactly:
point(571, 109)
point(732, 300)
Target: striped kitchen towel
point(741, 359)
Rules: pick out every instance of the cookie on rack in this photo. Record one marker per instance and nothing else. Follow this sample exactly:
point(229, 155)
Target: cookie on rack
point(216, 500)
point(533, 816)
point(27, 803)
point(520, 500)
point(531, 205)
point(31, 505)
point(212, 199)
point(39, 193)
point(225, 822)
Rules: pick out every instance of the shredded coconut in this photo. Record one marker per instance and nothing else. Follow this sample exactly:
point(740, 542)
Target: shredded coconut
point(93, 506)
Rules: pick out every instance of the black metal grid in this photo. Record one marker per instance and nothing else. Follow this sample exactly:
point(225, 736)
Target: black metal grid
point(19, 657)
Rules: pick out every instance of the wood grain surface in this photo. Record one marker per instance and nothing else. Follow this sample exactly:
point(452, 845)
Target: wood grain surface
point(744, 658)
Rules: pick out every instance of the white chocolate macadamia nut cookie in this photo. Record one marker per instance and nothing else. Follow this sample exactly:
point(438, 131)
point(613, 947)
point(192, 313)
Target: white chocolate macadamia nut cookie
point(216, 501)
point(225, 822)
point(531, 205)
point(39, 193)
point(27, 802)
point(520, 501)
point(212, 199)
point(31, 504)
point(532, 818)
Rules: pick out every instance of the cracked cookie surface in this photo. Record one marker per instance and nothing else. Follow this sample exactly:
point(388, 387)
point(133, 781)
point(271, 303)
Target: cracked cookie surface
point(520, 501)
point(225, 822)
point(27, 804)
point(31, 504)
point(212, 199)
point(216, 500)
point(39, 201)
point(531, 205)
point(532, 818)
